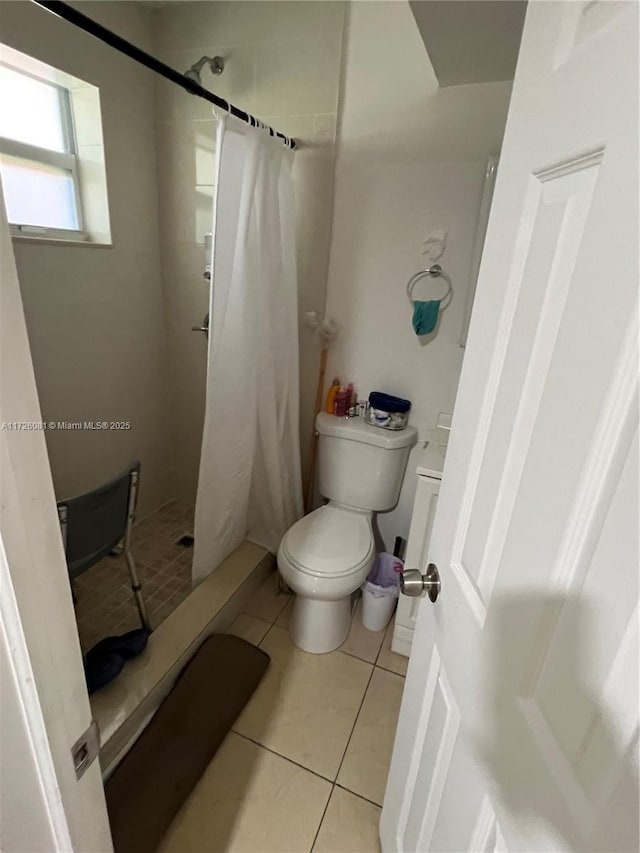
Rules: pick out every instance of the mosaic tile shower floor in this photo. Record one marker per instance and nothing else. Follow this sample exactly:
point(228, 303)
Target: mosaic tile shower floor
point(104, 601)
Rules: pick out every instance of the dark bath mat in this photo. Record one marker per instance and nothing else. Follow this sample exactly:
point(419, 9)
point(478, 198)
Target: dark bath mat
point(156, 776)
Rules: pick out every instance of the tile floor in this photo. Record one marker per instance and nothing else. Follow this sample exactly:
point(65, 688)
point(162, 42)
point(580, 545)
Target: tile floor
point(105, 602)
point(305, 765)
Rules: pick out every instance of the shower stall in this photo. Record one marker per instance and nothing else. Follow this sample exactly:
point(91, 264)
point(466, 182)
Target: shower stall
point(112, 332)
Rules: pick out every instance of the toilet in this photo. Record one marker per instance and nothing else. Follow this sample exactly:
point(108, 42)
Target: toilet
point(327, 555)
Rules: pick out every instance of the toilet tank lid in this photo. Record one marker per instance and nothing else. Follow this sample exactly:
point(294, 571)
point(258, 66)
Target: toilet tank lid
point(355, 429)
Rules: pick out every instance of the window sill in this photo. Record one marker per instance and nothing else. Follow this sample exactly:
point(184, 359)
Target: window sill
point(57, 241)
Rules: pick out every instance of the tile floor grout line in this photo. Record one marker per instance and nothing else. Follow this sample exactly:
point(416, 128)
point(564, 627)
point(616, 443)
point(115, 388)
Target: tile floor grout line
point(357, 657)
point(324, 814)
point(355, 723)
point(326, 808)
point(272, 625)
point(386, 669)
point(283, 608)
point(356, 794)
point(268, 631)
point(258, 619)
point(280, 755)
point(375, 663)
point(390, 650)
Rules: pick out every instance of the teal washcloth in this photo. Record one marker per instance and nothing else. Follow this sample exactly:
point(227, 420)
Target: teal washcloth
point(425, 316)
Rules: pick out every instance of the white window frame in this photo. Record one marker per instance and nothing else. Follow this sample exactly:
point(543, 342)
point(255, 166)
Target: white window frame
point(67, 160)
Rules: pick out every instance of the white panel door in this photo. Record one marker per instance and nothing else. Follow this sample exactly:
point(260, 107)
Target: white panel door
point(519, 724)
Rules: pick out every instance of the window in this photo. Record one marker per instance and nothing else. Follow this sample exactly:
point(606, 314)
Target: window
point(38, 156)
point(52, 159)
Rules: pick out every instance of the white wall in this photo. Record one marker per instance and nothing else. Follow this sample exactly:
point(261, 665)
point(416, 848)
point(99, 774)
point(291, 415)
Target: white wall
point(282, 65)
point(411, 158)
point(95, 315)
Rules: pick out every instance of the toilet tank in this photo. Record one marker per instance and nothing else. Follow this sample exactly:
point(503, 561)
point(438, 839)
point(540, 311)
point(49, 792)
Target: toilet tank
point(361, 465)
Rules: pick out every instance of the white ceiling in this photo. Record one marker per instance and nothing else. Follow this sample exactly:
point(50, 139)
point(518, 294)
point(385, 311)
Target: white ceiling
point(394, 111)
point(471, 41)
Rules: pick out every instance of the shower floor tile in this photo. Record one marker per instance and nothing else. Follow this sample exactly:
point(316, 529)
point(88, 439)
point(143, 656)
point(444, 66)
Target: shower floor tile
point(104, 601)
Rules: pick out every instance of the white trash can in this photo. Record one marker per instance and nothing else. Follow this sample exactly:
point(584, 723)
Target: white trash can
point(378, 604)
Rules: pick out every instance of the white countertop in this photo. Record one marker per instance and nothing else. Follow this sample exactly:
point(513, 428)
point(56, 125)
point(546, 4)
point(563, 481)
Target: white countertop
point(431, 460)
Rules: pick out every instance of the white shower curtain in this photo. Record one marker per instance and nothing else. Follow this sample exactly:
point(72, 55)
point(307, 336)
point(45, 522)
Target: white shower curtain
point(250, 482)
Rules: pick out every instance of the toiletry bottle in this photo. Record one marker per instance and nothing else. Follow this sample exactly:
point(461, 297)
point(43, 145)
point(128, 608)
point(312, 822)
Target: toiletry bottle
point(341, 403)
point(353, 403)
point(331, 397)
point(349, 395)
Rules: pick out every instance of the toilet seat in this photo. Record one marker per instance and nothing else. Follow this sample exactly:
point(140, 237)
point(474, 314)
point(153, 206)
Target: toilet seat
point(330, 542)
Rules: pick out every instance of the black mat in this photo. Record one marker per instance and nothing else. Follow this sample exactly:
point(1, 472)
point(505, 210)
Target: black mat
point(159, 772)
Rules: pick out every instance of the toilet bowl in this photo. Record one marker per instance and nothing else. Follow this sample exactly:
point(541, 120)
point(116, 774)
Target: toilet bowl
point(324, 558)
point(327, 555)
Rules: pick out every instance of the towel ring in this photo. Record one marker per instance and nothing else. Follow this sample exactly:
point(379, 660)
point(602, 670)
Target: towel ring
point(434, 271)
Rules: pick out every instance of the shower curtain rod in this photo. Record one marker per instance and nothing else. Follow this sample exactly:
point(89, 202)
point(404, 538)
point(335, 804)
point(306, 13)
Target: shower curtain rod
point(63, 10)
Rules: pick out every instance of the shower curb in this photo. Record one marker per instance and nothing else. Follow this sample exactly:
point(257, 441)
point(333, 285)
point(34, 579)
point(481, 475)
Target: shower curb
point(124, 708)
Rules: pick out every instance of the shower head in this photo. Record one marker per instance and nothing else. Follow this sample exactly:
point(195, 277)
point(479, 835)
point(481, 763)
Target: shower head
point(216, 66)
